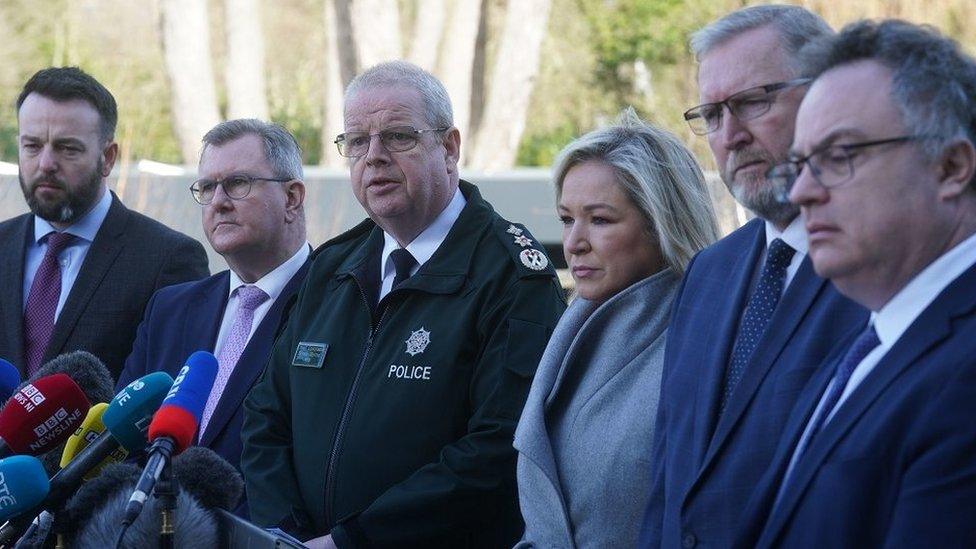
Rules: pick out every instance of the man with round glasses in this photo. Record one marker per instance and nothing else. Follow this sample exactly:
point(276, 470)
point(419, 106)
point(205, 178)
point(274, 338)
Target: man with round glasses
point(752, 321)
point(252, 203)
point(387, 411)
point(880, 450)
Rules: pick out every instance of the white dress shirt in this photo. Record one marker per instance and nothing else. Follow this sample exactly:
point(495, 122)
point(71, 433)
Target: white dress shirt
point(272, 284)
point(422, 247)
point(72, 256)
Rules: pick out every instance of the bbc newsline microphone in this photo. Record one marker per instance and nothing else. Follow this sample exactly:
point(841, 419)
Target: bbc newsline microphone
point(23, 484)
point(41, 415)
point(125, 422)
point(174, 424)
point(9, 379)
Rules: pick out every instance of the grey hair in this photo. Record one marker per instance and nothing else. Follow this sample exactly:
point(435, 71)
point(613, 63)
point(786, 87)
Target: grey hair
point(933, 82)
point(437, 104)
point(280, 147)
point(796, 26)
point(659, 175)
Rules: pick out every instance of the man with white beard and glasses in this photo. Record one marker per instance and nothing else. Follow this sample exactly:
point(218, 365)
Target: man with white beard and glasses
point(752, 321)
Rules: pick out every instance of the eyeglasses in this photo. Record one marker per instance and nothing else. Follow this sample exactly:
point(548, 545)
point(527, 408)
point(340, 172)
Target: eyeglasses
point(744, 105)
point(830, 166)
point(235, 187)
point(395, 139)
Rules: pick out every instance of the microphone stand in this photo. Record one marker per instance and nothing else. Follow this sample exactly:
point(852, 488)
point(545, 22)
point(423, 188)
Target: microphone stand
point(166, 491)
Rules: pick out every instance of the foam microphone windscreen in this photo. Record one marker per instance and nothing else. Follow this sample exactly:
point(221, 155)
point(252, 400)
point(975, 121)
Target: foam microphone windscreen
point(208, 477)
point(9, 379)
point(42, 414)
point(86, 370)
point(130, 412)
point(91, 518)
point(92, 494)
point(179, 415)
point(23, 484)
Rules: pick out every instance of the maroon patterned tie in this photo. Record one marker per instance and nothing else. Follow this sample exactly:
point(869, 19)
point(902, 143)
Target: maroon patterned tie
point(42, 301)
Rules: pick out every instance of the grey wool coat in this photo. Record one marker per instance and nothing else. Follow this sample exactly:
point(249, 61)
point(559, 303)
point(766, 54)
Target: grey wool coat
point(584, 438)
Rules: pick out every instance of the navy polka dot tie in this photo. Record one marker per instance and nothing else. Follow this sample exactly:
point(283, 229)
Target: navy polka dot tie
point(759, 310)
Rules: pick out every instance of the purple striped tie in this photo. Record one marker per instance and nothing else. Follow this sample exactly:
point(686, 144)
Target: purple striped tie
point(248, 299)
point(42, 301)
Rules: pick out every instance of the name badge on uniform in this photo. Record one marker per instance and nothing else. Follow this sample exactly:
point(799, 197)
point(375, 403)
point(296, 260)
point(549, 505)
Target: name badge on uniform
point(310, 354)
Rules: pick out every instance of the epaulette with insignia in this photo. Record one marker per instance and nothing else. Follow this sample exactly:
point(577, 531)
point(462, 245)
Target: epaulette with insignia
point(525, 250)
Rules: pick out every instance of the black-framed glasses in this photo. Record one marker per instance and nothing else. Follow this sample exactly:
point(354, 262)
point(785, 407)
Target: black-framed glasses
point(235, 187)
point(395, 139)
point(830, 166)
point(744, 105)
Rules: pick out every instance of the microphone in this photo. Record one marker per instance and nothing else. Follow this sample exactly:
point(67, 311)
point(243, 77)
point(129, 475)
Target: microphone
point(9, 379)
point(86, 370)
point(90, 431)
point(92, 515)
point(208, 477)
point(92, 377)
point(23, 484)
point(174, 425)
point(41, 415)
point(128, 414)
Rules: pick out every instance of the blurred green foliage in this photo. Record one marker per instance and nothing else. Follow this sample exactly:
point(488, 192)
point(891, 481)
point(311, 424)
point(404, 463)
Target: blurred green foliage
point(599, 57)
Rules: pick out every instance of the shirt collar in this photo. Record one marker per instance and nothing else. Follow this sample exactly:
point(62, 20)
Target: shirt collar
point(795, 235)
point(85, 227)
point(427, 242)
point(897, 315)
point(274, 282)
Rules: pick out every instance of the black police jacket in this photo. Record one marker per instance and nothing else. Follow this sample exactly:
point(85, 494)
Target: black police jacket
point(392, 425)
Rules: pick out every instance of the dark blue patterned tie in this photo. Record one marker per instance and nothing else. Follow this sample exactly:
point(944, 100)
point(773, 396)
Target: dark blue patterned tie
point(403, 263)
point(759, 310)
point(864, 344)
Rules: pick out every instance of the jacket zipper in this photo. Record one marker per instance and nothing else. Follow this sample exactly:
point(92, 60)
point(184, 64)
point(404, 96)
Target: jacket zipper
point(346, 410)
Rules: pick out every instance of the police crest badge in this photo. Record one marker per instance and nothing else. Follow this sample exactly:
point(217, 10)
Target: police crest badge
point(418, 341)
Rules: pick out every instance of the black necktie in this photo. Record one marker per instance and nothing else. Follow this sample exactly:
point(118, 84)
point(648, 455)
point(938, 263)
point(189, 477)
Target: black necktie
point(760, 309)
point(403, 262)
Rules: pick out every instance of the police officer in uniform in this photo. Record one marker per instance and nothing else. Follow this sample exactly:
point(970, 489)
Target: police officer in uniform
point(386, 414)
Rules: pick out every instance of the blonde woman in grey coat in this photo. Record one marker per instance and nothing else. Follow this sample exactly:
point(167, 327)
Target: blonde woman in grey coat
point(635, 209)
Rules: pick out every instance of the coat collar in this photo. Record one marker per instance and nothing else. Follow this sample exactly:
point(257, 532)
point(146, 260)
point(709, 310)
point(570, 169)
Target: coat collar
point(630, 321)
point(446, 271)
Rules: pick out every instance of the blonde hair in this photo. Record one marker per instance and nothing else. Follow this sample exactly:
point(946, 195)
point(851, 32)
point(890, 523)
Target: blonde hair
point(659, 175)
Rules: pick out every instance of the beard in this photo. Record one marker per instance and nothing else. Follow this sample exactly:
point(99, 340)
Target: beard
point(754, 191)
point(76, 202)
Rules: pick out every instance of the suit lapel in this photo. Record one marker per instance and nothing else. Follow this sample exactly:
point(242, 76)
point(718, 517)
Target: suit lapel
point(932, 327)
point(726, 316)
point(203, 316)
point(797, 300)
point(12, 255)
point(252, 361)
point(100, 257)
